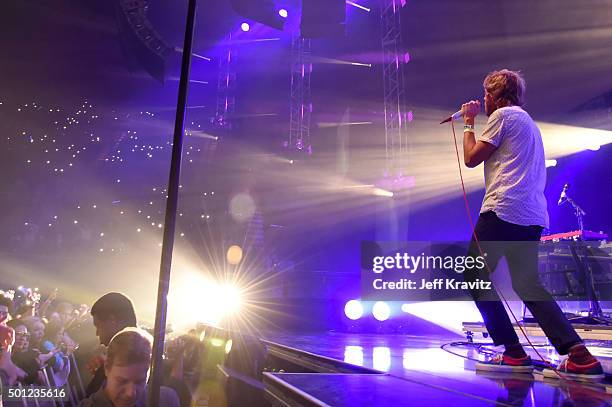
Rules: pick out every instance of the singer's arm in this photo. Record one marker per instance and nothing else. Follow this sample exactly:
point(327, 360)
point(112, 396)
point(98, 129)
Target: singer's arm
point(475, 152)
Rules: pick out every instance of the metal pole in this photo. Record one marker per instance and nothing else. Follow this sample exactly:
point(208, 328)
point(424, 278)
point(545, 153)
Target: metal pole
point(171, 208)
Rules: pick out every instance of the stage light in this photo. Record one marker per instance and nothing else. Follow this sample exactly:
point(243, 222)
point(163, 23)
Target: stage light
point(353, 309)
point(359, 6)
point(353, 355)
point(245, 27)
point(283, 13)
point(382, 192)
point(593, 147)
point(448, 315)
point(195, 298)
point(324, 125)
point(381, 311)
point(381, 358)
point(551, 163)
point(217, 342)
point(261, 11)
point(563, 140)
point(234, 255)
point(231, 299)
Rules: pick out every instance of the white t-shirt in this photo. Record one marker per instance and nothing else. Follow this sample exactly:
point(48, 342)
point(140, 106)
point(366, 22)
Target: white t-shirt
point(515, 173)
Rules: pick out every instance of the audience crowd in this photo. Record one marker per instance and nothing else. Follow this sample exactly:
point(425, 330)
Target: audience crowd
point(98, 353)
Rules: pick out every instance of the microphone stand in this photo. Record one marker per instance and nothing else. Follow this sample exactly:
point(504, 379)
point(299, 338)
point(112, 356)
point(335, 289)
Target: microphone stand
point(577, 211)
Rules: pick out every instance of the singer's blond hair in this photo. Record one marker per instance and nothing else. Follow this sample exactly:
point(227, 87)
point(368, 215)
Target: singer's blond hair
point(506, 86)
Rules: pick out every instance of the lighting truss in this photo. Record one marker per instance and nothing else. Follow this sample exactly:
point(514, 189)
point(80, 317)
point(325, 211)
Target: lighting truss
point(301, 98)
point(226, 86)
point(396, 134)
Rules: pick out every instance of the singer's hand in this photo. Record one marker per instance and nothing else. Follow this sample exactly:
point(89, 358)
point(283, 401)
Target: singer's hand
point(470, 110)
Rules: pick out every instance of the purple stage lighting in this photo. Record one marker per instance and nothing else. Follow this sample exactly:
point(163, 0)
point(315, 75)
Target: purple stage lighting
point(245, 27)
point(283, 13)
point(381, 311)
point(353, 309)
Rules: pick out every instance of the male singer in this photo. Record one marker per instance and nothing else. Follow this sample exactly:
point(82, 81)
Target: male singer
point(514, 213)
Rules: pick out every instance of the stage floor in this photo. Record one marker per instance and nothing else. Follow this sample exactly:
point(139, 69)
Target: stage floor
point(416, 371)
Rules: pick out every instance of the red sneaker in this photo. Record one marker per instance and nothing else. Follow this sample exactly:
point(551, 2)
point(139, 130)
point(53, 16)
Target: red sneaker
point(506, 364)
point(570, 370)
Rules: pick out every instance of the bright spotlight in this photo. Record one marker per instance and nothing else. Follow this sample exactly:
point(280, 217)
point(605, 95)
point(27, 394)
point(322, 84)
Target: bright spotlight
point(381, 311)
point(234, 255)
point(283, 13)
point(245, 27)
point(359, 6)
point(449, 315)
point(230, 299)
point(551, 163)
point(195, 298)
point(353, 309)
point(353, 355)
point(383, 192)
point(594, 147)
point(381, 358)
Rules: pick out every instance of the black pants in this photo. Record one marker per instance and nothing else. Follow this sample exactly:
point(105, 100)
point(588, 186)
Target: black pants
point(519, 245)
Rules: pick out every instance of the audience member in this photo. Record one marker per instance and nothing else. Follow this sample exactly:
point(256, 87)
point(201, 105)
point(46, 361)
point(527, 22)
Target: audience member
point(111, 313)
point(6, 307)
point(24, 357)
point(9, 373)
point(126, 369)
point(36, 327)
point(53, 343)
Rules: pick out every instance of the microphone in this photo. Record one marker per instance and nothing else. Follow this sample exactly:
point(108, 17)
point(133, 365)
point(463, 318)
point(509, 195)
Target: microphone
point(455, 116)
point(563, 196)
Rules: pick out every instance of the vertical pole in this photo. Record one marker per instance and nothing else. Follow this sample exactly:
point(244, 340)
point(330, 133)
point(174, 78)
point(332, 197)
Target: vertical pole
point(171, 209)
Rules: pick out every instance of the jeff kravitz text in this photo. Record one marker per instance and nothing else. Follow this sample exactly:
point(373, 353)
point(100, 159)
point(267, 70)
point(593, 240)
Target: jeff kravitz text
point(436, 284)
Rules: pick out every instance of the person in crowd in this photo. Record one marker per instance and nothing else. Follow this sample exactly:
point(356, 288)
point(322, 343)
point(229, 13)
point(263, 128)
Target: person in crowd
point(55, 354)
point(111, 313)
point(9, 372)
point(22, 336)
point(53, 342)
point(24, 357)
point(126, 371)
point(66, 313)
point(36, 327)
point(6, 308)
point(178, 352)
